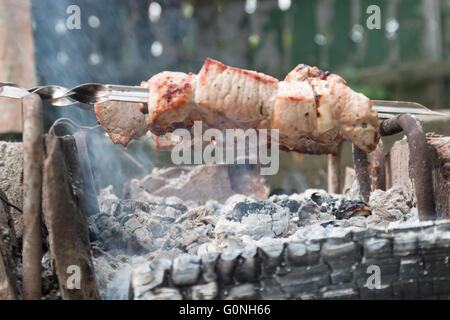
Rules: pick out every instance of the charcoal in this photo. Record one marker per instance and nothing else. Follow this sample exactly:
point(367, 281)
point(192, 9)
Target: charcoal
point(11, 180)
point(186, 269)
point(161, 294)
point(341, 293)
point(254, 218)
point(353, 208)
point(304, 280)
point(242, 292)
point(226, 265)
point(405, 244)
point(213, 205)
point(377, 247)
point(339, 254)
point(392, 199)
point(318, 198)
point(310, 245)
point(285, 202)
point(209, 261)
point(207, 291)
point(244, 209)
point(272, 256)
point(309, 210)
point(144, 238)
point(132, 224)
point(111, 234)
point(296, 253)
point(247, 265)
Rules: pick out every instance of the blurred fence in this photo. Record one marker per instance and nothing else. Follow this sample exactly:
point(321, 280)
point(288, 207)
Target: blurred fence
point(407, 58)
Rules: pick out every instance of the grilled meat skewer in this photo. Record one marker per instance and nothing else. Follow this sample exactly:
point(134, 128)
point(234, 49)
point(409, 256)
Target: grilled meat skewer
point(313, 110)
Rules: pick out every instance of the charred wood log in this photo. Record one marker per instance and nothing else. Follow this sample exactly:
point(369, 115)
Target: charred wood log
point(412, 263)
point(66, 221)
point(8, 276)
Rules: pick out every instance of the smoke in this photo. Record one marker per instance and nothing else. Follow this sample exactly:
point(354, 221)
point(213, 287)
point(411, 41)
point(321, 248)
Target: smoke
point(116, 289)
point(112, 45)
point(294, 181)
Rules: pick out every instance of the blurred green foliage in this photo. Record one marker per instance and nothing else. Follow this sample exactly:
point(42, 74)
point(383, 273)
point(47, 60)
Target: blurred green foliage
point(11, 137)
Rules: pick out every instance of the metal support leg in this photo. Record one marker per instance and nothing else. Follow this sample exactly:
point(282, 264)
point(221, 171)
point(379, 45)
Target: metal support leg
point(420, 161)
point(362, 172)
point(334, 171)
point(378, 168)
point(33, 153)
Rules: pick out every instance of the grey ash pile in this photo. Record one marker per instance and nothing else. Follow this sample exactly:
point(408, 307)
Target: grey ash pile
point(146, 227)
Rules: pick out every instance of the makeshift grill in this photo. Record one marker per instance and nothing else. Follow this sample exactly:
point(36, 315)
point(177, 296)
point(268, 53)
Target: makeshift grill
point(395, 114)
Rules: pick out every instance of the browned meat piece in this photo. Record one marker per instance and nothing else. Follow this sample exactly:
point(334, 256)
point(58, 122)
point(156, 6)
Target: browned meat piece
point(338, 107)
point(357, 121)
point(122, 121)
point(241, 98)
point(294, 113)
point(171, 104)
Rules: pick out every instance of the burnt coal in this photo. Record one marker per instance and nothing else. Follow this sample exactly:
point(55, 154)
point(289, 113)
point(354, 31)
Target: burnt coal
point(309, 210)
point(155, 227)
point(318, 198)
point(353, 208)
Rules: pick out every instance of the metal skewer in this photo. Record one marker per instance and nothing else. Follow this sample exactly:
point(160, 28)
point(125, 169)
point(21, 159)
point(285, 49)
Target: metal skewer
point(86, 95)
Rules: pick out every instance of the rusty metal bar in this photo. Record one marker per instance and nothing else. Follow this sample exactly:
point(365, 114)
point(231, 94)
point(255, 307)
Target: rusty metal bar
point(378, 168)
point(387, 171)
point(33, 152)
point(420, 161)
point(334, 171)
point(362, 172)
point(390, 127)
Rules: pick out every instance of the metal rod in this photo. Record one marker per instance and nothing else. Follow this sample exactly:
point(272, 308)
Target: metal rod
point(362, 172)
point(420, 161)
point(334, 170)
point(33, 152)
point(390, 127)
point(378, 168)
point(92, 93)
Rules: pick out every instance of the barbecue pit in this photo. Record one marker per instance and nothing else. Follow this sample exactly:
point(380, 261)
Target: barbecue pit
point(150, 244)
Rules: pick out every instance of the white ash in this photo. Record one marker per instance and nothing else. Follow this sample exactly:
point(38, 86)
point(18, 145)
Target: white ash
point(167, 227)
point(391, 203)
